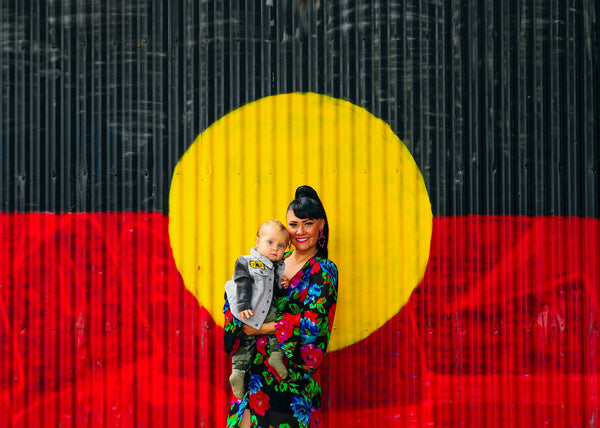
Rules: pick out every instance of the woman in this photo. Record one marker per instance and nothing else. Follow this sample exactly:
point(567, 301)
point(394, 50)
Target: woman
point(302, 331)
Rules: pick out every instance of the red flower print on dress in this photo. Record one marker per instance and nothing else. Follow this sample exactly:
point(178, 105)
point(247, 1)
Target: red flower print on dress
point(311, 355)
point(311, 316)
point(301, 293)
point(286, 326)
point(315, 268)
point(261, 344)
point(294, 282)
point(259, 401)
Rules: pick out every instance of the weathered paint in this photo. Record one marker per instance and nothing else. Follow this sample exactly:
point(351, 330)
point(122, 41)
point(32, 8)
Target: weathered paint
point(98, 329)
point(498, 104)
point(99, 99)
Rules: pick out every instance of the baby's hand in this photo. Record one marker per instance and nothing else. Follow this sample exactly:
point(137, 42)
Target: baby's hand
point(245, 314)
point(285, 282)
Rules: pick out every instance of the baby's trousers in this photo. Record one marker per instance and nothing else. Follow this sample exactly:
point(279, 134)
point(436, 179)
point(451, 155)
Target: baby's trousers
point(241, 359)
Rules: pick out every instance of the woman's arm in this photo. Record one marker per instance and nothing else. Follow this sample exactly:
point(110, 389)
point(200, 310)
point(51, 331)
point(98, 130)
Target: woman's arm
point(267, 328)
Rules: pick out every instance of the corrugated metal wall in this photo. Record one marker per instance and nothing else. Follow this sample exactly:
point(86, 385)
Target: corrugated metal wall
point(498, 104)
point(100, 99)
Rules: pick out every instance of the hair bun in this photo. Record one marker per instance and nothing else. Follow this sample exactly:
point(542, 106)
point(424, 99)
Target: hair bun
point(306, 192)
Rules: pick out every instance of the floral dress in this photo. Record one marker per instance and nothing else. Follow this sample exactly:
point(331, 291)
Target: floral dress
point(303, 333)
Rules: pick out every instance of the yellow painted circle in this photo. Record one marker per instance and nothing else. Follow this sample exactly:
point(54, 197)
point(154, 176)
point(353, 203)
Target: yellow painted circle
point(244, 170)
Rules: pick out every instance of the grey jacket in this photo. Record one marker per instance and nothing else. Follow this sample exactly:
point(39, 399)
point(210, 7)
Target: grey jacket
point(253, 284)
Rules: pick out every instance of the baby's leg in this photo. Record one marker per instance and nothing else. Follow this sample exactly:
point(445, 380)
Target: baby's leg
point(240, 363)
point(276, 357)
point(274, 344)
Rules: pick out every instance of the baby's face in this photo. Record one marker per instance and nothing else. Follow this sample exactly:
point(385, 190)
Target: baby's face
point(272, 243)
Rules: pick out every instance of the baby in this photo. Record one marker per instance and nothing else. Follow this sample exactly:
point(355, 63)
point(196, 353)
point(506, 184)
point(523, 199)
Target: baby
point(250, 294)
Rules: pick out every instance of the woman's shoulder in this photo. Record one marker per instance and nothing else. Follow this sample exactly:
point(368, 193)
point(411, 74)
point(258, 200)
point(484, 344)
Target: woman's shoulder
point(327, 265)
point(325, 261)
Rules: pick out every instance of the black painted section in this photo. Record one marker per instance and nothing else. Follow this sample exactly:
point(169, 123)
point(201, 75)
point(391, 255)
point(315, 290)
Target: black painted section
point(499, 101)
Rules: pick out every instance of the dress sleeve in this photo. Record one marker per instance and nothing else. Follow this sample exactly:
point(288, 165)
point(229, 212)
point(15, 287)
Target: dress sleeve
point(304, 329)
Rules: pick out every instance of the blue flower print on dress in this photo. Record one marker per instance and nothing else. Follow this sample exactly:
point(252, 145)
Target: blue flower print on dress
point(309, 331)
point(314, 291)
point(255, 383)
point(301, 408)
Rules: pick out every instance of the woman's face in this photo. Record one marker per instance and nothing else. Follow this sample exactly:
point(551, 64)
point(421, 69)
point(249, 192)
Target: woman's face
point(304, 232)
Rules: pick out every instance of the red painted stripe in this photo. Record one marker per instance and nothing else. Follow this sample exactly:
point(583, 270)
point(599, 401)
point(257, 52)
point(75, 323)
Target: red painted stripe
point(97, 329)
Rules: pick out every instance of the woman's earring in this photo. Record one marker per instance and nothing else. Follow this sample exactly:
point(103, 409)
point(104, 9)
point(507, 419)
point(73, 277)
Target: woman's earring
point(321, 240)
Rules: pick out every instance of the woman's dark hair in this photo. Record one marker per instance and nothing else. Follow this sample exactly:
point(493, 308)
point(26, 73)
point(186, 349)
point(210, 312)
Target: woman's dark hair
point(306, 204)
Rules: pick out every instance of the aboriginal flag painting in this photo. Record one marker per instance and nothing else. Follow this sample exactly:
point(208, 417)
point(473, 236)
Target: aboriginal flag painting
point(454, 146)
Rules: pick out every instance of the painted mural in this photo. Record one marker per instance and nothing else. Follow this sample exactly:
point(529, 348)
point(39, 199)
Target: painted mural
point(239, 173)
point(454, 145)
point(502, 330)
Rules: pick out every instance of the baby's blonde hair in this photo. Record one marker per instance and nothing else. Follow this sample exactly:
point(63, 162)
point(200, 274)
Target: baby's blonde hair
point(274, 223)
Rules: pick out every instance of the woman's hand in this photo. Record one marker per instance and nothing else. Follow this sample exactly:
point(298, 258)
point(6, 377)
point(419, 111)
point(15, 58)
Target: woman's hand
point(267, 328)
